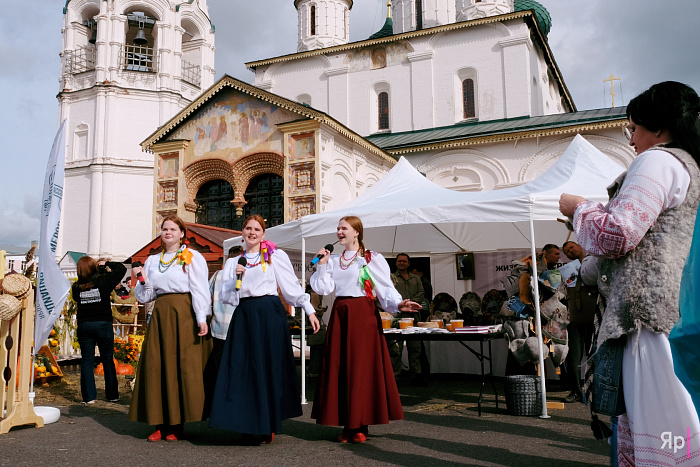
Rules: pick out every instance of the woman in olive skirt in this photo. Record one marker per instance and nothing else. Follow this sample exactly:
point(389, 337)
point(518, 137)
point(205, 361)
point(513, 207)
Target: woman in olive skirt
point(170, 388)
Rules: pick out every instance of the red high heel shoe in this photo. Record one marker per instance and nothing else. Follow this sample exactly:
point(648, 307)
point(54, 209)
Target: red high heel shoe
point(359, 438)
point(156, 435)
point(268, 439)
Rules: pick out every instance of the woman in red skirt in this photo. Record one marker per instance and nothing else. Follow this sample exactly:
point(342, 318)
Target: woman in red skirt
point(356, 386)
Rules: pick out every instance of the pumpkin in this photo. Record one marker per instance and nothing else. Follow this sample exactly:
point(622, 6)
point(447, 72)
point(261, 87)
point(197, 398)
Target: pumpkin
point(125, 369)
point(100, 369)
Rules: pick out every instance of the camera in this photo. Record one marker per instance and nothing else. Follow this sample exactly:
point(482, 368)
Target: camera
point(101, 269)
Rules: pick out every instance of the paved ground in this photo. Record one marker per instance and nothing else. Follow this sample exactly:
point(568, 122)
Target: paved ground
point(441, 426)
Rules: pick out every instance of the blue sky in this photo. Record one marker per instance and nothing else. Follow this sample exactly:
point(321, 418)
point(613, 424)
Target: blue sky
point(641, 41)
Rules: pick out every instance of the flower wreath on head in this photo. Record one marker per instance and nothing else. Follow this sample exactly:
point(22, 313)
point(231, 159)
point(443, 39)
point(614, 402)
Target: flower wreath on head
point(266, 249)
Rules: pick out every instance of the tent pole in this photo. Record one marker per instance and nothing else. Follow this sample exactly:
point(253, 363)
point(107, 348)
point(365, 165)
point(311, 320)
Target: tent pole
point(302, 343)
point(538, 321)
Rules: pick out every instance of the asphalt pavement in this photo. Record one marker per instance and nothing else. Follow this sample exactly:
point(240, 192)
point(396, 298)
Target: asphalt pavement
point(441, 426)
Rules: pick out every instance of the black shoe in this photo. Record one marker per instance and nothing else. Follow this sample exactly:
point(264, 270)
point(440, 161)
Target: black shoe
point(573, 397)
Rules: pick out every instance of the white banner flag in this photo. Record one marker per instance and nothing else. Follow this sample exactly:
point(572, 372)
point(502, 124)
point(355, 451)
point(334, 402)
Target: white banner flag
point(52, 284)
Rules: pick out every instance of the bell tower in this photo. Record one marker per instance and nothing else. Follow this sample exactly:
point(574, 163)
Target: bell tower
point(127, 67)
point(322, 23)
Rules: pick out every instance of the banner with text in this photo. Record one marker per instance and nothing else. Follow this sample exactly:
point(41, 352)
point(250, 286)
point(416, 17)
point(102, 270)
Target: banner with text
point(52, 284)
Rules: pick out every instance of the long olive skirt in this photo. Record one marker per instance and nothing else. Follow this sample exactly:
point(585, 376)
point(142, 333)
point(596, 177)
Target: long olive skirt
point(170, 386)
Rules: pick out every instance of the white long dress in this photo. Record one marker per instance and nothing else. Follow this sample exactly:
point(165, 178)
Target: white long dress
point(659, 408)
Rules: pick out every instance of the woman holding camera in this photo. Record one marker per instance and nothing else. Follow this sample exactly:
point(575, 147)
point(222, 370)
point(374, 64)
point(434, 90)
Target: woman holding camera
point(91, 293)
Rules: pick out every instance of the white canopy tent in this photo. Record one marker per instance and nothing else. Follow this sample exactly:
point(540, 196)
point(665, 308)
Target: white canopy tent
point(405, 212)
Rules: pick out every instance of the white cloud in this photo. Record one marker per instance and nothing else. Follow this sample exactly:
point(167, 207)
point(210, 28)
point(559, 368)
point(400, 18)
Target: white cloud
point(19, 222)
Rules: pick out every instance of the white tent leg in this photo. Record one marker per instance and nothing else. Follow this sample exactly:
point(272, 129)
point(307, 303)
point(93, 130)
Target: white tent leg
point(538, 321)
point(302, 343)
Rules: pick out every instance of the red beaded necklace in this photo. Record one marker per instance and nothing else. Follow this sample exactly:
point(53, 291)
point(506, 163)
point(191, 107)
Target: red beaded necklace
point(347, 261)
point(252, 265)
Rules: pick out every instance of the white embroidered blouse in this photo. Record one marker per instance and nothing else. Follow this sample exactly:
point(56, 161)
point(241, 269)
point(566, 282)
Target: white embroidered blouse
point(331, 277)
point(174, 280)
point(256, 283)
point(655, 181)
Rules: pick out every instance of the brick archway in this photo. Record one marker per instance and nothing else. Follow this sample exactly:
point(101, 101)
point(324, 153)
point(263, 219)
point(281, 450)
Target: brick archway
point(204, 171)
point(251, 166)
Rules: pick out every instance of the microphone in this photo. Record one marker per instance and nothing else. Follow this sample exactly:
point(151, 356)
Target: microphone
point(137, 264)
point(328, 247)
point(242, 261)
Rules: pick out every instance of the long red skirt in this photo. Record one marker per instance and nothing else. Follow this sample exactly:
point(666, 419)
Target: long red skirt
point(356, 385)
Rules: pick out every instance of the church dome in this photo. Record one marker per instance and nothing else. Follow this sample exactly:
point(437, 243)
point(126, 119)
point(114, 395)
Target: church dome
point(541, 13)
point(386, 30)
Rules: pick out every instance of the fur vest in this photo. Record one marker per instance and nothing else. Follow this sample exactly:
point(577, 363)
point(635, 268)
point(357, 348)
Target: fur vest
point(642, 288)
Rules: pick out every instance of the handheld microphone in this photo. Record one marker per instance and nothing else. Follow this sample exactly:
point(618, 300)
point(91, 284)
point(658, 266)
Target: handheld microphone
point(242, 261)
point(137, 264)
point(328, 247)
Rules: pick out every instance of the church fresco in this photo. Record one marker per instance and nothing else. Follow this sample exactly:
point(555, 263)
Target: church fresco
point(232, 125)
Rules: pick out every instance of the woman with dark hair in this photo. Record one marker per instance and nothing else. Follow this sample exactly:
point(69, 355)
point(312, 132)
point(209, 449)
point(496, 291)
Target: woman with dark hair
point(643, 236)
point(256, 388)
point(91, 293)
point(356, 386)
point(170, 377)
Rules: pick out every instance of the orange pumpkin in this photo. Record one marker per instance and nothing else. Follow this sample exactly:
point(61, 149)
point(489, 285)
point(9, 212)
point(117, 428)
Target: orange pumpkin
point(125, 369)
point(100, 369)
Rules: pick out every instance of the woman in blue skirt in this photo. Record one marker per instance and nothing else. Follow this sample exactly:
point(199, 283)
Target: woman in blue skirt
point(257, 385)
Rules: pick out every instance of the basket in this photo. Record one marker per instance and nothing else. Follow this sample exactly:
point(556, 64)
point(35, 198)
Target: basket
point(9, 307)
point(17, 285)
point(523, 395)
point(125, 310)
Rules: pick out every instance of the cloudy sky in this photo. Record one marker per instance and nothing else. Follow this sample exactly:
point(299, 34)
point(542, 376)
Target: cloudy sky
point(640, 41)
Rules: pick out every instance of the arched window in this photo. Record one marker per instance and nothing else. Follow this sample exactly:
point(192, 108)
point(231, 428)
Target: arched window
point(214, 204)
point(313, 20)
point(383, 108)
point(419, 14)
point(468, 102)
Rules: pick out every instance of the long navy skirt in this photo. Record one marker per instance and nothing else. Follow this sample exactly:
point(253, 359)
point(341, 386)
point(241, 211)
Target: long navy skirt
point(257, 384)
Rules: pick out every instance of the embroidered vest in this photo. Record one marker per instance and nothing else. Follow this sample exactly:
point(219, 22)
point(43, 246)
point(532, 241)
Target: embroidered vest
point(642, 288)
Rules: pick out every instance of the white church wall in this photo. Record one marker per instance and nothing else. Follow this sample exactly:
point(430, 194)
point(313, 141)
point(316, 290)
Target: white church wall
point(505, 164)
point(428, 70)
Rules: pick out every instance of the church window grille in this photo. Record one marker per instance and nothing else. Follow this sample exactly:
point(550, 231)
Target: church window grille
point(264, 196)
point(214, 204)
point(313, 20)
point(383, 107)
point(419, 14)
point(468, 102)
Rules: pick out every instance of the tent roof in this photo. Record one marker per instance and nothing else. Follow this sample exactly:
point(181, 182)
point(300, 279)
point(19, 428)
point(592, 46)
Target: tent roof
point(405, 212)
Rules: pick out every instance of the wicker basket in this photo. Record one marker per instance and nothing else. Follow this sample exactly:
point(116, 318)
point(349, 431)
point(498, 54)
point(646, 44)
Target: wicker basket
point(523, 395)
point(9, 307)
point(17, 285)
point(125, 310)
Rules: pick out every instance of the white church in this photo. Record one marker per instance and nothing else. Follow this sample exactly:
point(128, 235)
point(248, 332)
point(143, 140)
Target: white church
point(468, 91)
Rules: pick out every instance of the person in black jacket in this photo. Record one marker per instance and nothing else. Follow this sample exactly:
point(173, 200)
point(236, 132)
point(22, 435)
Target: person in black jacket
point(91, 293)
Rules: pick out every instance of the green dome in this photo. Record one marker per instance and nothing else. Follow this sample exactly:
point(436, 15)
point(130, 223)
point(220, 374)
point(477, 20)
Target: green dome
point(386, 30)
point(541, 13)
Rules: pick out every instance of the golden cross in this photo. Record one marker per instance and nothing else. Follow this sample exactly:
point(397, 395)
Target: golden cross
point(612, 80)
